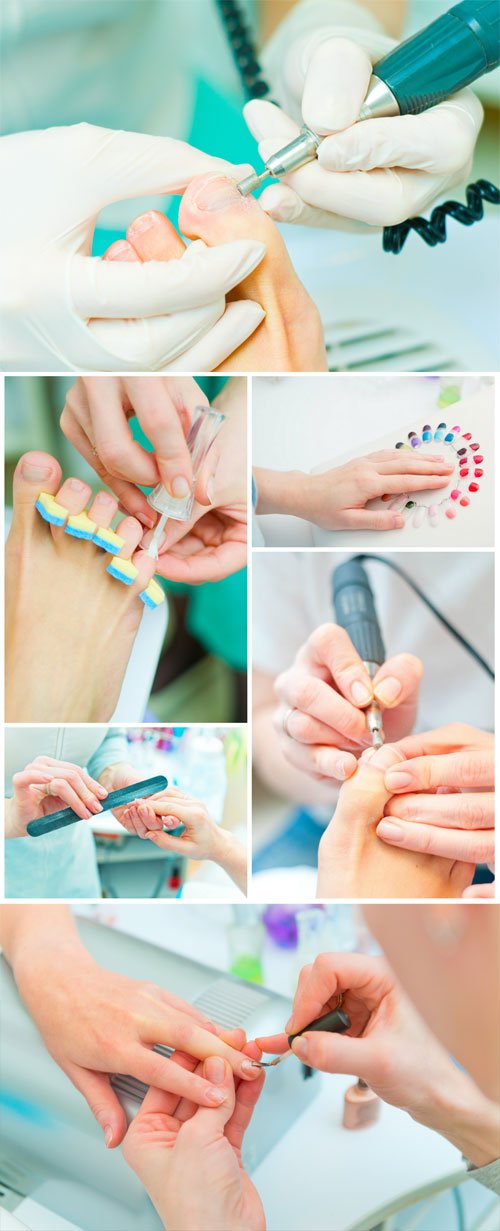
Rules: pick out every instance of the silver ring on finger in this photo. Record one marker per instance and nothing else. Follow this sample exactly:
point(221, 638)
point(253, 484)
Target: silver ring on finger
point(286, 718)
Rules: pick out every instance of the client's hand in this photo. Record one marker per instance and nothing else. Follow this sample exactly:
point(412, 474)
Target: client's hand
point(390, 1047)
point(290, 337)
point(45, 786)
point(354, 863)
point(202, 837)
point(337, 499)
point(189, 1159)
point(443, 799)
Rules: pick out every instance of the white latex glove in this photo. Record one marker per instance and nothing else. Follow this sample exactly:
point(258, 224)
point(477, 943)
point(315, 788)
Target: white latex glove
point(59, 305)
point(378, 172)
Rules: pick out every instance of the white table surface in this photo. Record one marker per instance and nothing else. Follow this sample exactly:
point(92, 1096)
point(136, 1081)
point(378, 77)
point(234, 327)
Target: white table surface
point(319, 1177)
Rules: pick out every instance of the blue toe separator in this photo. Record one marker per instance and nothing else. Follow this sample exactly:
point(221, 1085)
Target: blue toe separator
point(127, 581)
point(78, 534)
point(54, 521)
point(148, 602)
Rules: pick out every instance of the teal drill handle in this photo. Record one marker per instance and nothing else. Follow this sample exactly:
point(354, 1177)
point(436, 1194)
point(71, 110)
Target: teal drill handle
point(116, 799)
point(452, 52)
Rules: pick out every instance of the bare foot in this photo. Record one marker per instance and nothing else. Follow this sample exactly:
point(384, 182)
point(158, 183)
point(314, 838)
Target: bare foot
point(290, 338)
point(70, 625)
point(351, 861)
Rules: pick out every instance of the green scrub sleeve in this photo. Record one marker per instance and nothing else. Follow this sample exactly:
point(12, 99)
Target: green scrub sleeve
point(114, 748)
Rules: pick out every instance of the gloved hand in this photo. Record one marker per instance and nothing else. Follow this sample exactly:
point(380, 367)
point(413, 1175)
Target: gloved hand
point(379, 171)
point(60, 305)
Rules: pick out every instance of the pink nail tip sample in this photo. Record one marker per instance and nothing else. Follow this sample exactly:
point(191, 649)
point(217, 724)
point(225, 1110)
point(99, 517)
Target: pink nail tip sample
point(465, 501)
point(475, 448)
point(473, 487)
point(467, 435)
point(479, 459)
point(433, 514)
point(450, 513)
point(455, 493)
point(455, 429)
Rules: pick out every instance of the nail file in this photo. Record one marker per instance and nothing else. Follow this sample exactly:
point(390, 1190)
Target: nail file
point(335, 1022)
point(116, 799)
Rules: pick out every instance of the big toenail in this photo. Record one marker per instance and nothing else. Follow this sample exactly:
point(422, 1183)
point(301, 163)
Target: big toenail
point(35, 474)
point(216, 194)
point(76, 485)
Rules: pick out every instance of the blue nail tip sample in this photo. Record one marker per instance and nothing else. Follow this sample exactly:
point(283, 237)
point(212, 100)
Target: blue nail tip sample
point(449, 437)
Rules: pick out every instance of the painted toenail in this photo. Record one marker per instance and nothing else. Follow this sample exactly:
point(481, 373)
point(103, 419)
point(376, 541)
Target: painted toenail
point(217, 193)
point(35, 474)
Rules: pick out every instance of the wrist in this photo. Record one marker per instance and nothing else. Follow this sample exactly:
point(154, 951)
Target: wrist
point(459, 1111)
point(13, 828)
point(111, 777)
point(281, 491)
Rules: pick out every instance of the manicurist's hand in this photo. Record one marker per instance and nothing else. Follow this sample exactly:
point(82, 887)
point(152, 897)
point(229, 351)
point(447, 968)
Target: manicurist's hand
point(390, 1047)
point(62, 307)
point(96, 419)
point(337, 499)
point(443, 799)
point(322, 697)
point(213, 543)
point(95, 1022)
point(189, 1159)
point(47, 785)
point(378, 171)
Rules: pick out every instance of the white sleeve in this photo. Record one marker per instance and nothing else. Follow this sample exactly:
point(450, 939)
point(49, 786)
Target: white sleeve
point(280, 621)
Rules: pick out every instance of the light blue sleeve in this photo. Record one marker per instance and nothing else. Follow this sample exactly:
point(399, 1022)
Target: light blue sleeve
point(113, 748)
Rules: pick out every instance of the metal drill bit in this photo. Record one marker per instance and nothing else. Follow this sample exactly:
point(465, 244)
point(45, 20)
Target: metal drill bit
point(253, 181)
point(375, 724)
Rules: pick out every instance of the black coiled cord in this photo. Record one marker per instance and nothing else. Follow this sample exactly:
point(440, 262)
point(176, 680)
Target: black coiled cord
point(432, 230)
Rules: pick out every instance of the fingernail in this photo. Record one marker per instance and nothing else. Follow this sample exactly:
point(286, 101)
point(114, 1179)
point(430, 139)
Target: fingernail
point(396, 780)
point(343, 768)
point(145, 519)
point(301, 1048)
point(215, 1096)
point(217, 193)
point(388, 690)
point(108, 1135)
point(76, 485)
point(216, 1069)
point(247, 1066)
point(101, 790)
point(398, 522)
point(289, 1025)
point(390, 831)
point(180, 486)
point(360, 693)
point(34, 473)
point(143, 223)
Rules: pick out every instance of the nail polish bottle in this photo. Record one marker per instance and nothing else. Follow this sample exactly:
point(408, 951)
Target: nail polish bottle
point(361, 1106)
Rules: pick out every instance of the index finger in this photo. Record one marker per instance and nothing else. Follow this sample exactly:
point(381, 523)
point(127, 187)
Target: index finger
point(443, 739)
point(182, 1033)
point(330, 646)
point(164, 411)
point(471, 767)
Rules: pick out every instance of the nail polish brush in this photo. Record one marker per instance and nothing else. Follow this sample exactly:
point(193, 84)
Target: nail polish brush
point(335, 1022)
point(205, 426)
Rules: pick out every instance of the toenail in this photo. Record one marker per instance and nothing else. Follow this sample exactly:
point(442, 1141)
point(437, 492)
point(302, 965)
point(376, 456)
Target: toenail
point(76, 485)
point(217, 193)
point(33, 473)
point(180, 486)
point(143, 223)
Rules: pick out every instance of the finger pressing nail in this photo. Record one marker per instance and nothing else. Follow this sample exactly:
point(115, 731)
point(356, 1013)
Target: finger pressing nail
point(390, 831)
point(398, 780)
point(301, 1048)
point(360, 693)
point(388, 690)
point(179, 486)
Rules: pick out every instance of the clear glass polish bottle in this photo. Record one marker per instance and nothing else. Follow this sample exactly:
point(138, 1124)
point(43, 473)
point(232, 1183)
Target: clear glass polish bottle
point(205, 426)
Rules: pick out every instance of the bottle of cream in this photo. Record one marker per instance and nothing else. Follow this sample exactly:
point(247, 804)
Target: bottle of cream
point(361, 1106)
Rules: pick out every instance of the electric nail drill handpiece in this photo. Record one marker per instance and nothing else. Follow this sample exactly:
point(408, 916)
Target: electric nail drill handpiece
point(355, 611)
point(335, 1022)
point(116, 799)
point(453, 51)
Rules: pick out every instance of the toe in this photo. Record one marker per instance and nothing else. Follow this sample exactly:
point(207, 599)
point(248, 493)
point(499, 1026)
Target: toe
point(154, 238)
point(103, 509)
point(121, 250)
point(214, 210)
point(121, 566)
point(36, 475)
point(73, 496)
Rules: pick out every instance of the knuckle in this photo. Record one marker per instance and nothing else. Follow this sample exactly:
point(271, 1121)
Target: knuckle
point(322, 637)
point(304, 692)
point(300, 726)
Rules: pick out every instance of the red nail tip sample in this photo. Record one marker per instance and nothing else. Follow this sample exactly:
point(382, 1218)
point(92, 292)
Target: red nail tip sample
point(465, 501)
point(478, 474)
point(479, 459)
point(473, 487)
point(467, 435)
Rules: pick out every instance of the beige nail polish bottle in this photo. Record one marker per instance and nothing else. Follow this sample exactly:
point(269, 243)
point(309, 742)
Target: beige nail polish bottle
point(361, 1106)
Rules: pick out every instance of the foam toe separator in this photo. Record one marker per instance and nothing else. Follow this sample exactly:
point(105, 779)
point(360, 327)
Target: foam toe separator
point(153, 595)
point(50, 510)
point(108, 540)
point(123, 570)
point(80, 526)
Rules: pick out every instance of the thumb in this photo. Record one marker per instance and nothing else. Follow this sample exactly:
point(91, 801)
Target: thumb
point(208, 1123)
point(103, 1102)
point(335, 85)
point(333, 1053)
